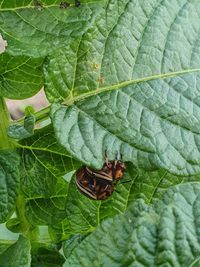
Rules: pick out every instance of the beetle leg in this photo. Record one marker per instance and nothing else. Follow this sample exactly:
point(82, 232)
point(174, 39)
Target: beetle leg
point(106, 157)
point(93, 184)
point(124, 182)
point(116, 159)
point(117, 191)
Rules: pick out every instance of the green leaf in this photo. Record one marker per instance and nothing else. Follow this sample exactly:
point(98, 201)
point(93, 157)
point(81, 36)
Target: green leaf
point(47, 29)
point(17, 255)
point(44, 164)
point(19, 131)
point(152, 124)
point(129, 41)
point(9, 183)
point(20, 77)
point(195, 263)
point(46, 256)
point(166, 233)
point(43, 169)
point(141, 85)
point(71, 244)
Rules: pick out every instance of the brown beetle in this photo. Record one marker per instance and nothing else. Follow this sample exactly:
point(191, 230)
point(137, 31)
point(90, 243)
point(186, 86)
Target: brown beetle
point(38, 5)
point(64, 5)
point(100, 184)
point(92, 187)
point(77, 3)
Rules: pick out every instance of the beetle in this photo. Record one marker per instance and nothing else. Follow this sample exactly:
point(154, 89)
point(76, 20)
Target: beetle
point(100, 184)
point(38, 5)
point(64, 5)
point(77, 3)
point(91, 187)
point(111, 171)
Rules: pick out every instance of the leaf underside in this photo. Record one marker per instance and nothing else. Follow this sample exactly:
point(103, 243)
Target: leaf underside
point(131, 89)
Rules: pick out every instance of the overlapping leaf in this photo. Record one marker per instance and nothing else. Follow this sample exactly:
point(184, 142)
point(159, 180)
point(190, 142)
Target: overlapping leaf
point(147, 236)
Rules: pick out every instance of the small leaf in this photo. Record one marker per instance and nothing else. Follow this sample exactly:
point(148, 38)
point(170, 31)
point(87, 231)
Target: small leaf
point(18, 255)
point(147, 236)
point(20, 77)
point(29, 110)
point(9, 183)
point(18, 131)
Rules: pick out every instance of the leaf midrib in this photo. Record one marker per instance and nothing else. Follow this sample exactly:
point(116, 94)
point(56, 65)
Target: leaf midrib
point(70, 100)
point(33, 7)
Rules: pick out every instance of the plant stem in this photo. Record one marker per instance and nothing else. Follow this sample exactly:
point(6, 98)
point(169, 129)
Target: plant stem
point(27, 229)
point(5, 142)
point(40, 115)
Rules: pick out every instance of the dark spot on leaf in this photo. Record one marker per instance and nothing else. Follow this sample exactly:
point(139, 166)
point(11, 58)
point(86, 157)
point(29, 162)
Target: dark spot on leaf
point(95, 65)
point(100, 80)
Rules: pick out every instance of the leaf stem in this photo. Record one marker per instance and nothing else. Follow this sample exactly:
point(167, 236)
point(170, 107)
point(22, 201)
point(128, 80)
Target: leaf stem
point(27, 229)
point(40, 115)
point(5, 142)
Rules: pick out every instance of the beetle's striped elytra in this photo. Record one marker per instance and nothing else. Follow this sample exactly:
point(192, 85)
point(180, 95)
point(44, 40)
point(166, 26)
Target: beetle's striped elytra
point(100, 184)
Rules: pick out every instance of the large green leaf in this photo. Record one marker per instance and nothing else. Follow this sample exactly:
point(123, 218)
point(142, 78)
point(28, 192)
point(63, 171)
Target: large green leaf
point(20, 77)
point(18, 255)
point(154, 124)
point(9, 183)
point(131, 84)
point(164, 234)
point(129, 41)
point(39, 32)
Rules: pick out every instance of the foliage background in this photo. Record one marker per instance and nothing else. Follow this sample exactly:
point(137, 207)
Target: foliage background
point(120, 75)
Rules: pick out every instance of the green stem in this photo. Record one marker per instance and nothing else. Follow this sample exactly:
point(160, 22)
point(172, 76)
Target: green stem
point(40, 115)
point(5, 142)
point(27, 229)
